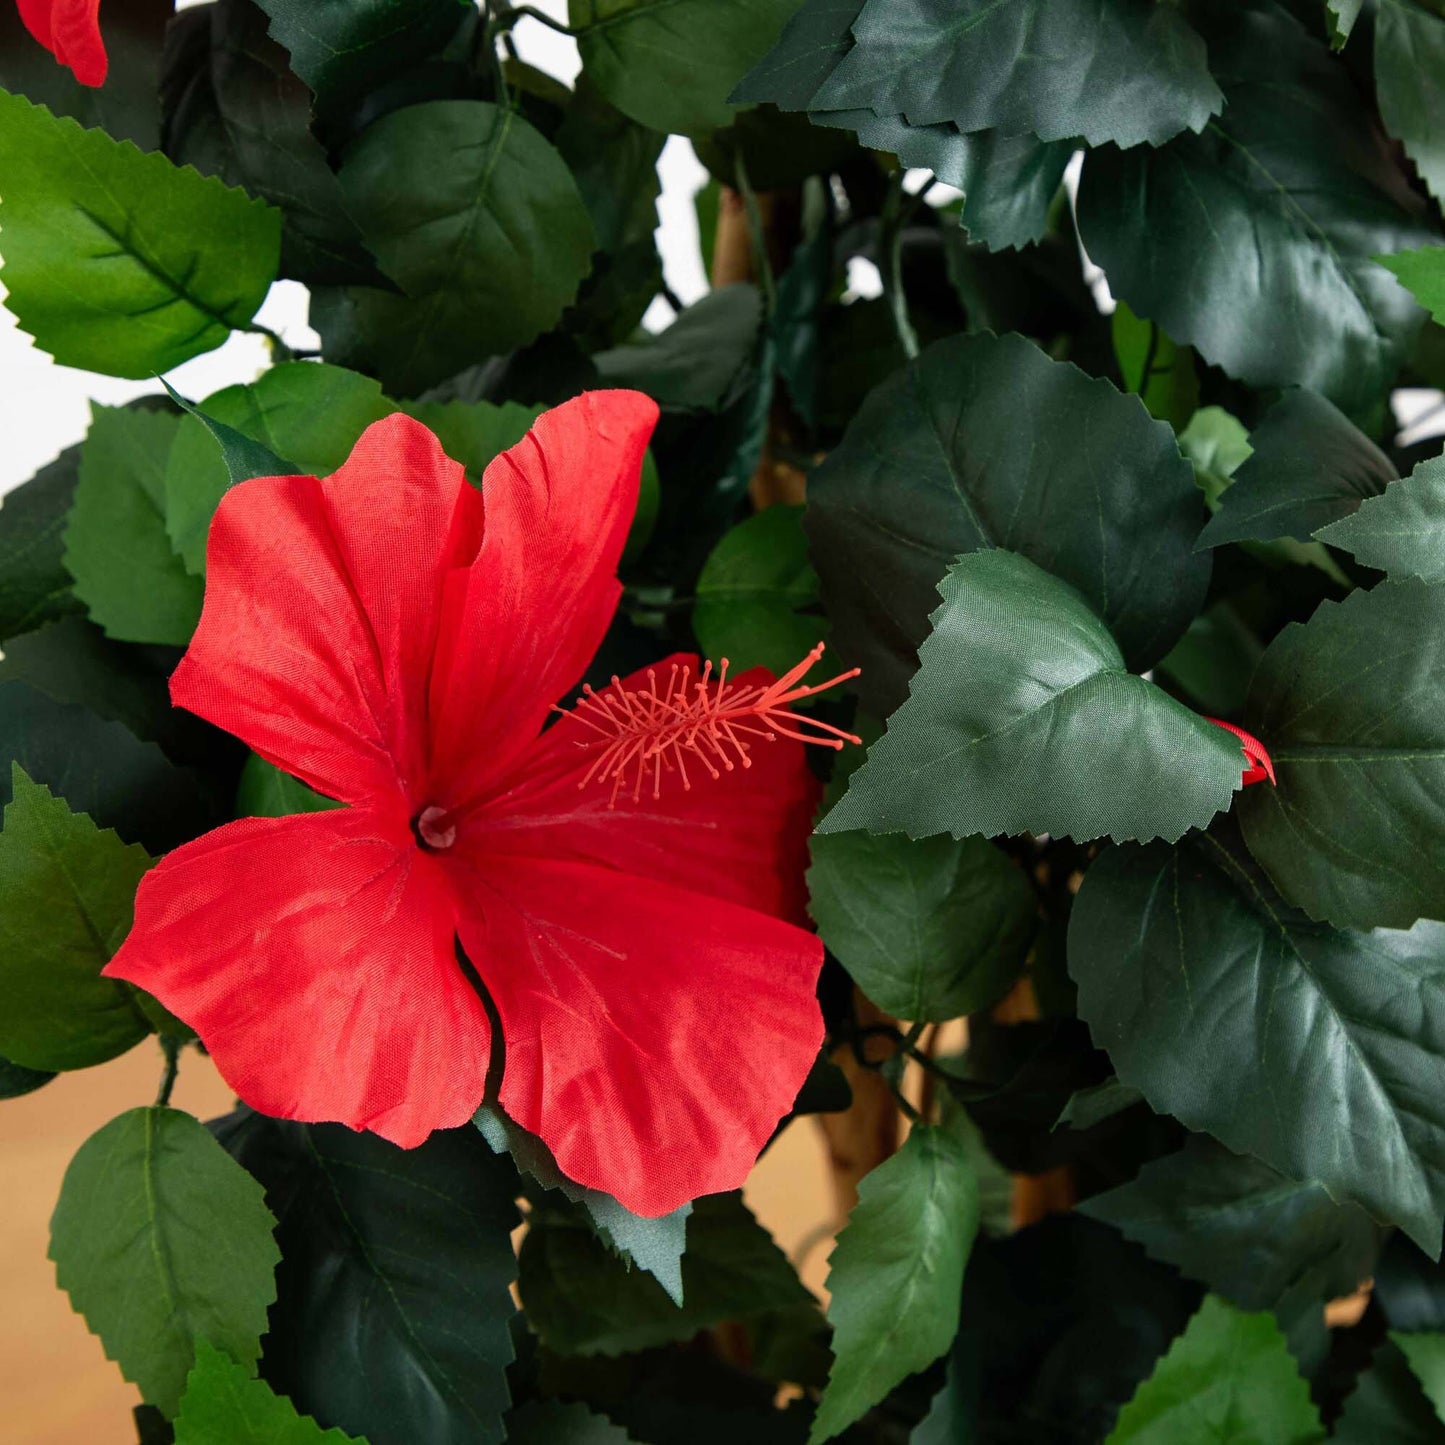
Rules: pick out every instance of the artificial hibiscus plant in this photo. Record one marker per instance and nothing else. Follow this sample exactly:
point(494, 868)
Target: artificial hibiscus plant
point(968, 687)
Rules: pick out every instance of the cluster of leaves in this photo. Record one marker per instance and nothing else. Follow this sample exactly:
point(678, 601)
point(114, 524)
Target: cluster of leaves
point(1057, 540)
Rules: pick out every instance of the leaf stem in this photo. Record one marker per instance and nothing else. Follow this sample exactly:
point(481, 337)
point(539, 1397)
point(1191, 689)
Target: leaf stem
point(890, 243)
point(506, 18)
point(171, 1048)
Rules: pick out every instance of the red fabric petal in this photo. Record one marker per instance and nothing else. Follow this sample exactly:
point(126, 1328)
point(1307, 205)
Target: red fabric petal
point(322, 608)
point(70, 30)
point(314, 957)
point(521, 625)
point(741, 837)
point(654, 1037)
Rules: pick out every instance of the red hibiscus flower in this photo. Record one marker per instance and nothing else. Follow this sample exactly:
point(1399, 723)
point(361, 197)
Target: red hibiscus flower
point(627, 883)
point(70, 31)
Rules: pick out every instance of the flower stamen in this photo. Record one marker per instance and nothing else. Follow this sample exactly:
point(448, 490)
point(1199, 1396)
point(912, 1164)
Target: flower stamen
point(708, 719)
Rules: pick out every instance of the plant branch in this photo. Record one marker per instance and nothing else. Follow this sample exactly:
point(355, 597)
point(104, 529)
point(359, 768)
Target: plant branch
point(171, 1048)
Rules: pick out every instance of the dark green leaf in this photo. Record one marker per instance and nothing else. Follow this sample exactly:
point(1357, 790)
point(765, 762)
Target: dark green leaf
point(896, 1273)
point(1095, 1104)
point(932, 929)
point(1309, 465)
point(1388, 1404)
point(126, 106)
point(985, 442)
point(237, 112)
point(750, 592)
point(101, 768)
point(298, 418)
point(1342, 15)
point(1422, 273)
point(655, 1245)
point(1214, 661)
point(34, 586)
point(1229, 1379)
point(1263, 1241)
point(811, 45)
point(582, 1299)
point(1252, 242)
point(548, 1422)
point(266, 792)
point(1409, 61)
point(16, 1080)
point(162, 1242)
point(1126, 71)
point(1307, 1046)
point(1348, 705)
point(671, 64)
point(1023, 718)
point(1426, 1355)
point(121, 262)
point(479, 221)
point(699, 360)
point(474, 432)
point(344, 48)
point(1401, 531)
point(134, 586)
point(393, 1310)
point(224, 1405)
point(69, 888)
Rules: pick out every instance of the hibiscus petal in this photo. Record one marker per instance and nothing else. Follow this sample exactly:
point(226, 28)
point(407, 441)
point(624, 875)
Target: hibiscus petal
point(322, 607)
point(742, 836)
point(654, 1037)
point(314, 956)
point(521, 625)
point(70, 30)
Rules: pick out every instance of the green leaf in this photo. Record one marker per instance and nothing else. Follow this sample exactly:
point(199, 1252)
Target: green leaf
point(1409, 61)
point(1157, 371)
point(344, 49)
point(1214, 661)
point(1252, 242)
point(224, 1405)
point(1341, 16)
point(1401, 531)
point(671, 64)
point(1307, 1046)
point(932, 929)
point(116, 546)
point(266, 792)
point(1422, 273)
point(121, 262)
point(1125, 71)
point(1023, 718)
point(69, 888)
point(582, 1300)
point(1426, 1354)
point(1388, 1404)
point(393, 1310)
point(34, 585)
point(16, 1080)
point(1217, 444)
point(1263, 1241)
point(162, 1242)
point(127, 106)
point(306, 414)
point(236, 111)
point(1348, 705)
point(489, 247)
point(1309, 465)
point(896, 1273)
point(101, 768)
point(549, 1422)
point(655, 1245)
point(1229, 1379)
point(985, 442)
point(699, 361)
point(751, 590)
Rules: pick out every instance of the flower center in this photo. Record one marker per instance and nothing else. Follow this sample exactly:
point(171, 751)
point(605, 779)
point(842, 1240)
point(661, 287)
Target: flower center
point(434, 829)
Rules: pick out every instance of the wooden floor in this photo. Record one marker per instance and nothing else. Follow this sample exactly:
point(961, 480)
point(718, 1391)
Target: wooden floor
point(58, 1387)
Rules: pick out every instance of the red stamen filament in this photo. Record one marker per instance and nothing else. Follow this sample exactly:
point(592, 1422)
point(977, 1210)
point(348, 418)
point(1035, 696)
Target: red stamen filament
point(711, 720)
